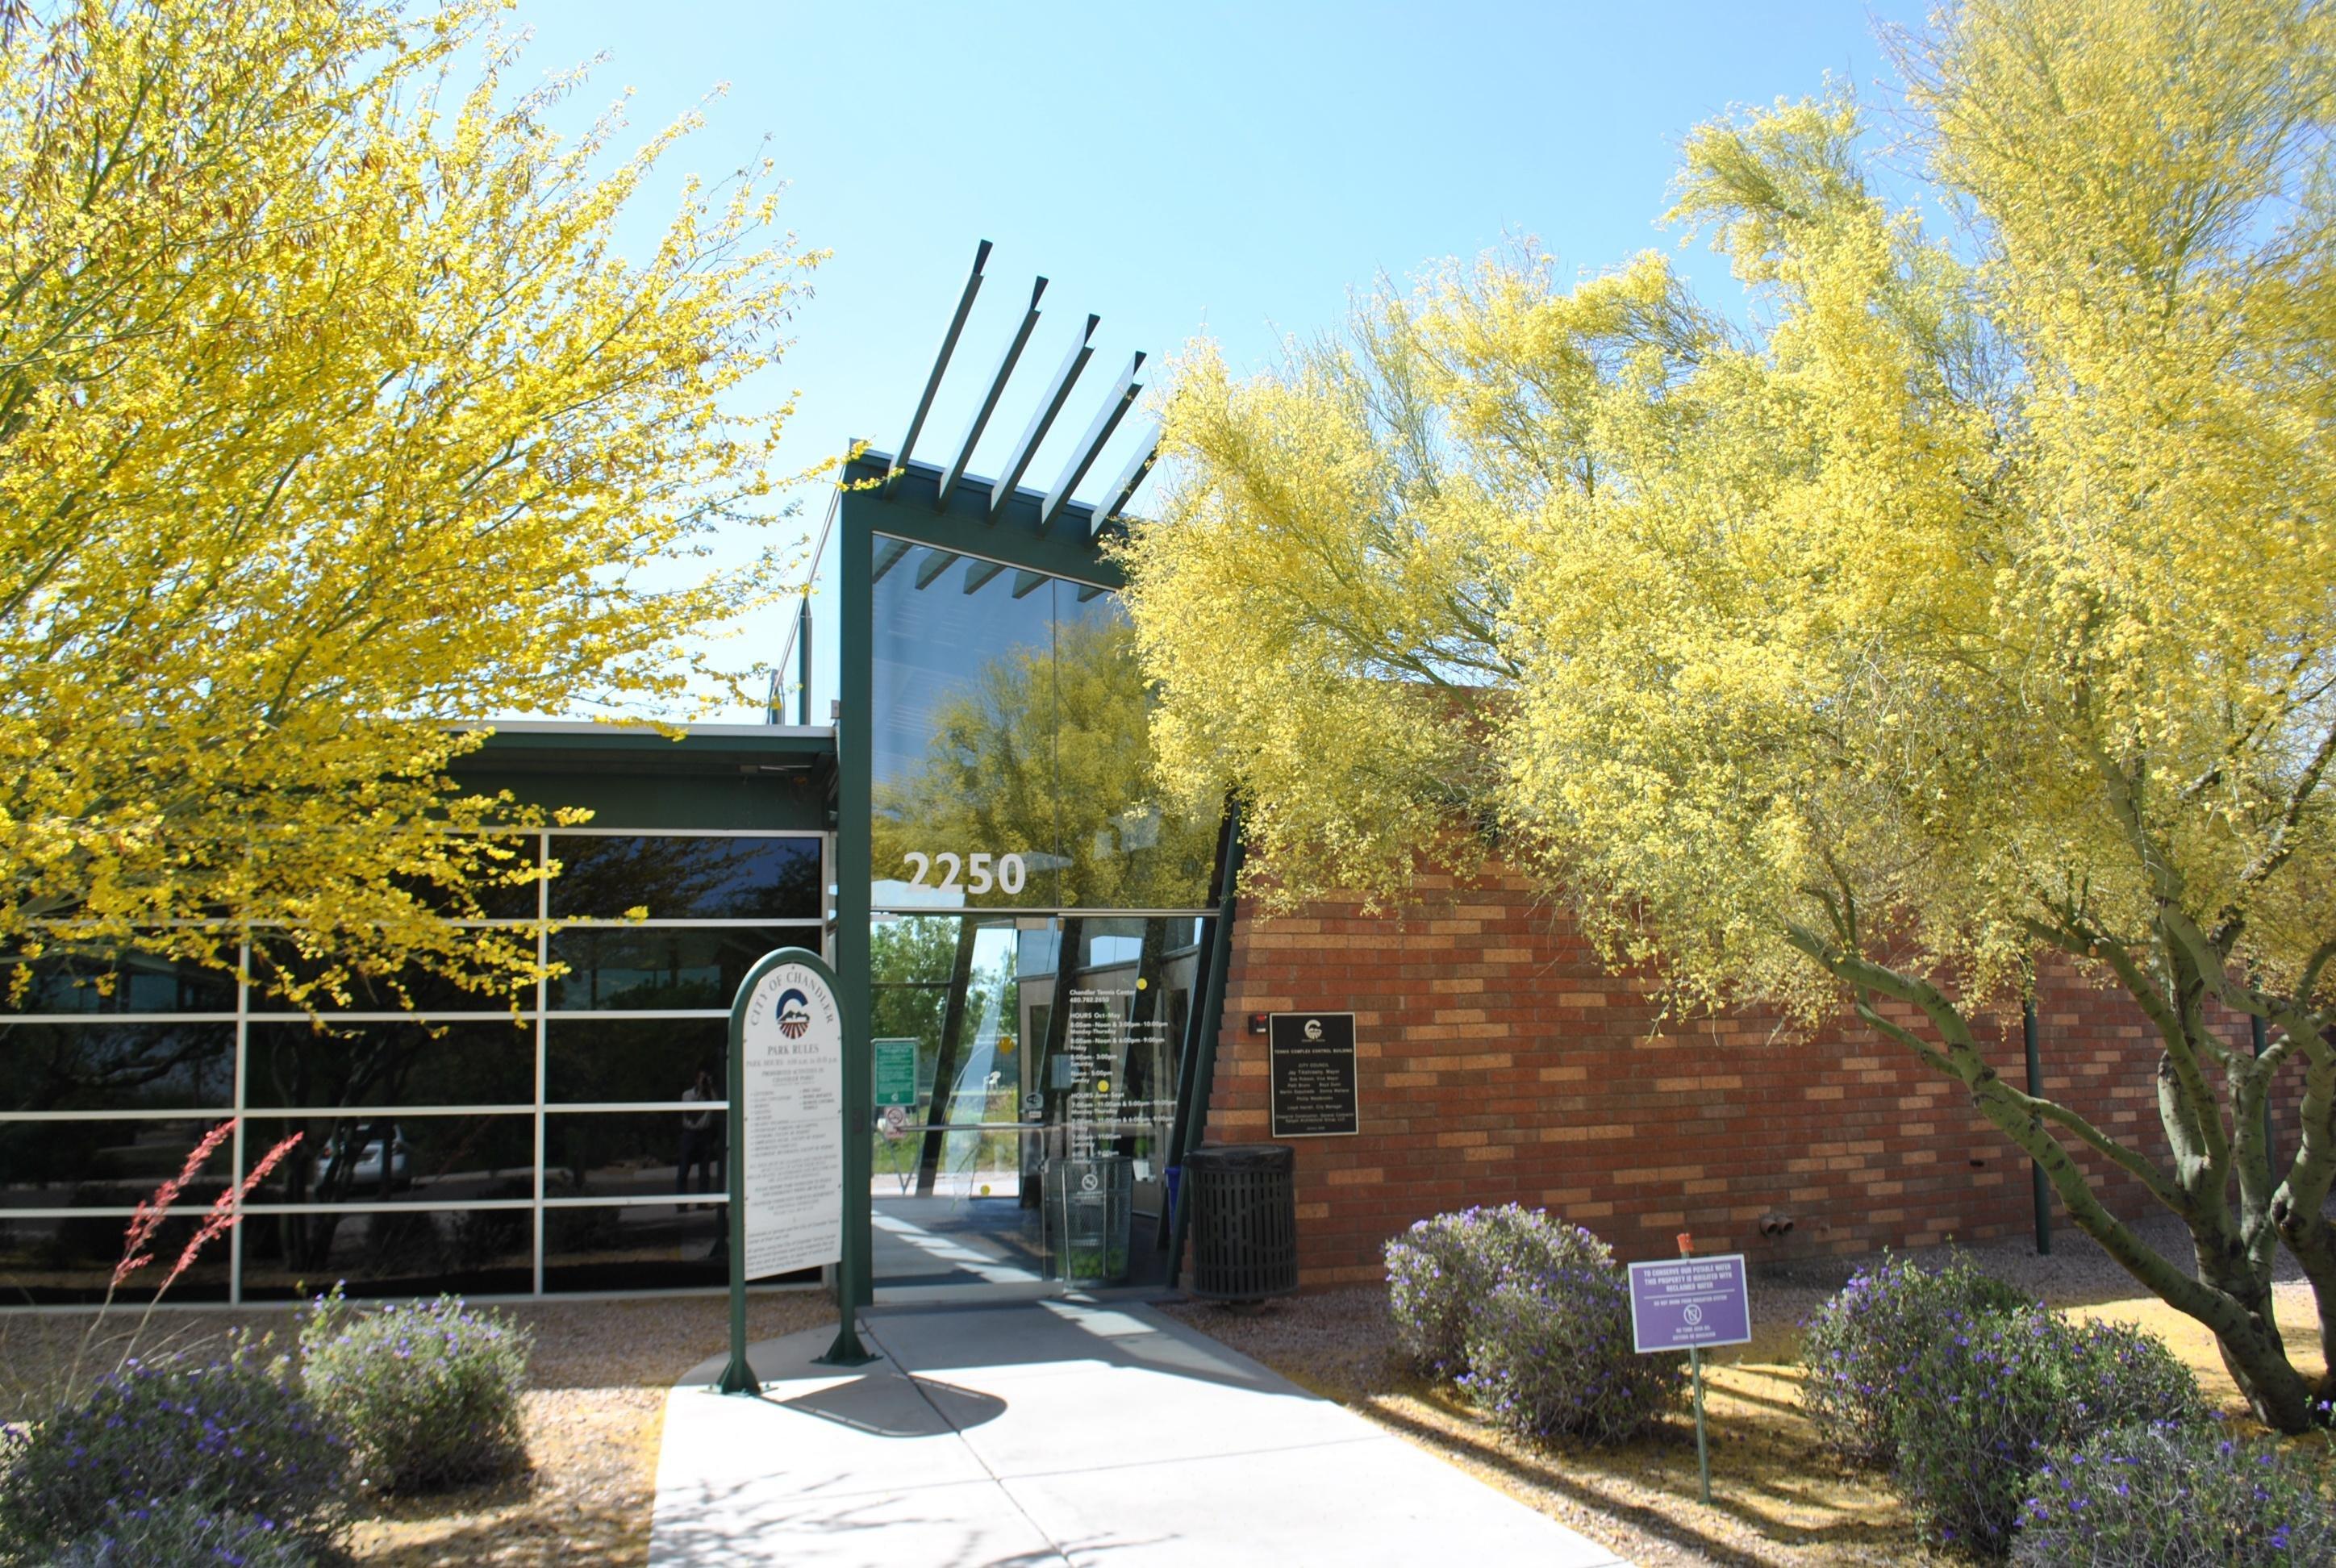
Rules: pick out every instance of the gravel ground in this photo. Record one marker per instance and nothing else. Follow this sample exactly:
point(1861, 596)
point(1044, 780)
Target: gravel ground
point(1777, 1499)
point(596, 1404)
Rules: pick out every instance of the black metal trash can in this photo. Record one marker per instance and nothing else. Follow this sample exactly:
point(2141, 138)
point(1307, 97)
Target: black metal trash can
point(1244, 1199)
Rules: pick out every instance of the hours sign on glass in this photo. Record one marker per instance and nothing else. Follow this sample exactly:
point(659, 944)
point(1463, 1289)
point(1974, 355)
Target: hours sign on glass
point(791, 1132)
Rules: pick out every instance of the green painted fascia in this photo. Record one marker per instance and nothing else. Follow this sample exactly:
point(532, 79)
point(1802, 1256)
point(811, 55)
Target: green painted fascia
point(904, 509)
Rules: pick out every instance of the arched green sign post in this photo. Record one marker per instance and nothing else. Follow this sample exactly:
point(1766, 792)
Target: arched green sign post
point(791, 1129)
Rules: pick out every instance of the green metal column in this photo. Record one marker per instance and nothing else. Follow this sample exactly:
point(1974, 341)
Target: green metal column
point(1193, 1099)
point(853, 762)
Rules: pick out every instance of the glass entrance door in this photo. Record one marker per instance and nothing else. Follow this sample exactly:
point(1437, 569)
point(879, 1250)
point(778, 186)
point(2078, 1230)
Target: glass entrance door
point(1028, 1141)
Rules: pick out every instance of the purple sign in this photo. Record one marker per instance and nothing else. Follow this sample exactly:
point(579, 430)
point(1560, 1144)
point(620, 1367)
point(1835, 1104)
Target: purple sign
point(1689, 1303)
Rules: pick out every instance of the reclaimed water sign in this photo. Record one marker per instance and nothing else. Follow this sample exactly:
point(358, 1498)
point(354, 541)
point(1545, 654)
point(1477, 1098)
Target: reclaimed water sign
point(789, 1120)
point(1689, 1304)
point(896, 1072)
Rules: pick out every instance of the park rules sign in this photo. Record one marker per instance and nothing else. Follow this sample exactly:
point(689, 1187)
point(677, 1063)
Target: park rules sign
point(789, 1119)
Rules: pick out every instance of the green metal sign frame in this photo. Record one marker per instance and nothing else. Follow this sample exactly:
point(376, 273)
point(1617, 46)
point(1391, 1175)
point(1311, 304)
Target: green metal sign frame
point(738, 1376)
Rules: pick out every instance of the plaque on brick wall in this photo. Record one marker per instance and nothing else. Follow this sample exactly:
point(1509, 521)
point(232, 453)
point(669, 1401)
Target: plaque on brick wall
point(1311, 1065)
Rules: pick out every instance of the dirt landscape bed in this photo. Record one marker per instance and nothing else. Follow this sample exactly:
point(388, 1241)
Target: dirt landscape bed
point(595, 1411)
point(1777, 1499)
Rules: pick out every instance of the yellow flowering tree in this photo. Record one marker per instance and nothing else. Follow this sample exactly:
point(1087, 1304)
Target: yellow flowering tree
point(1974, 605)
point(331, 417)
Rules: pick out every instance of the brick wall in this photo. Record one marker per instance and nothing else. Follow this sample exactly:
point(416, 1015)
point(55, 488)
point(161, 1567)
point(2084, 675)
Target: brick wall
point(1498, 1061)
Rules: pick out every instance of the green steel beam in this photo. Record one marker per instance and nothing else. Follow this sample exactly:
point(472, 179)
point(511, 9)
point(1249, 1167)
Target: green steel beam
point(889, 554)
point(1115, 405)
point(1050, 403)
point(929, 573)
point(980, 572)
point(1123, 489)
point(854, 762)
point(949, 346)
point(956, 469)
point(1026, 583)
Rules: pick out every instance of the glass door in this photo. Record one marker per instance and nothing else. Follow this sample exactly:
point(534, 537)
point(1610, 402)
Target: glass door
point(1027, 1069)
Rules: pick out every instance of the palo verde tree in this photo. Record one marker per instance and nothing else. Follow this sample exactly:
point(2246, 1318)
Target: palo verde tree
point(1975, 607)
point(331, 417)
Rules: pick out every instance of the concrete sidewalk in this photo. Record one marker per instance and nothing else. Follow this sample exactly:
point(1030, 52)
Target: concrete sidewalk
point(1057, 1432)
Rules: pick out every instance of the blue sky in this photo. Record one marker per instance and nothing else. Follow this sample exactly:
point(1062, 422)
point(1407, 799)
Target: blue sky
point(1233, 170)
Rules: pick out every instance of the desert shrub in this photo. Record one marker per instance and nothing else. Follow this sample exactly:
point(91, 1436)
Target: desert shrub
point(2174, 1497)
point(187, 1534)
point(1549, 1353)
point(235, 1437)
point(429, 1394)
point(1976, 1415)
point(1441, 1270)
point(1862, 1341)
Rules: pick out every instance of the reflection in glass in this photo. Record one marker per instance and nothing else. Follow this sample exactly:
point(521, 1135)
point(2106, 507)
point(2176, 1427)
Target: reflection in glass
point(117, 1066)
point(633, 1059)
point(1011, 718)
point(636, 969)
point(678, 877)
point(401, 1252)
point(638, 1247)
point(72, 1259)
point(501, 856)
point(76, 1164)
point(374, 1157)
point(120, 982)
point(490, 1062)
point(618, 1155)
point(412, 990)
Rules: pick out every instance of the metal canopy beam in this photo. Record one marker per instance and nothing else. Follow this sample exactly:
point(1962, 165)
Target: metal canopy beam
point(1090, 591)
point(941, 562)
point(1026, 583)
point(1114, 499)
point(941, 360)
point(1050, 403)
point(889, 554)
point(977, 572)
point(956, 469)
point(1115, 405)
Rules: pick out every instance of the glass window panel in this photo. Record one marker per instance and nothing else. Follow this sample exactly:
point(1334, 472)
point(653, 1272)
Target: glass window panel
point(638, 968)
point(497, 898)
point(621, 1154)
point(1011, 721)
point(678, 877)
point(128, 982)
point(293, 1064)
point(633, 1059)
point(71, 1260)
point(371, 1157)
point(427, 994)
point(76, 1164)
point(639, 1247)
point(116, 1066)
point(400, 1252)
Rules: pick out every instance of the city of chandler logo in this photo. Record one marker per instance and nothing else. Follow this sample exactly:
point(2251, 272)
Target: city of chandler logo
point(1313, 1029)
point(794, 1014)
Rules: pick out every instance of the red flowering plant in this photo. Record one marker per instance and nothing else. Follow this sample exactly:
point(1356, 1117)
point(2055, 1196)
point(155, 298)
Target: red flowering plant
point(146, 1222)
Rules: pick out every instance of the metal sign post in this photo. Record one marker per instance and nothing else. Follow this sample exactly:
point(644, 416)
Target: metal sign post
point(1685, 1305)
point(788, 1040)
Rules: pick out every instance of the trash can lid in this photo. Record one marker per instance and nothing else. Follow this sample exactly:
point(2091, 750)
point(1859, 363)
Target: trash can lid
point(1242, 1156)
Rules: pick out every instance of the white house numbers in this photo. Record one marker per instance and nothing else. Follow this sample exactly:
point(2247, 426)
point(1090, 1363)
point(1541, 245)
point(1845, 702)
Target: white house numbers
point(948, 872)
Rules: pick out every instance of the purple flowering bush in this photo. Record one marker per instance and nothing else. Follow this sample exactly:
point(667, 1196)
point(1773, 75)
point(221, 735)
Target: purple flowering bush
point(1549, 1354)
point(2174, 1497)
point(1982, 1408)
point(187, 1534)
point(1440, 1270)
point(428, 1393)
point(238, 1437)
point(1864, 1341)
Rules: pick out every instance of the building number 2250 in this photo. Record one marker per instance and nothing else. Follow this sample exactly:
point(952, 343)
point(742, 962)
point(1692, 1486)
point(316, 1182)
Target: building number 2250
point(982, 872)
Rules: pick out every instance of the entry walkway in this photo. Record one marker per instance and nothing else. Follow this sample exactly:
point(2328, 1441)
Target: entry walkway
point(1061, 1434)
